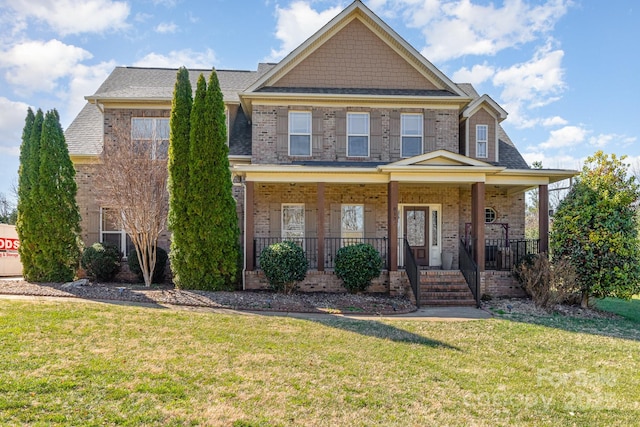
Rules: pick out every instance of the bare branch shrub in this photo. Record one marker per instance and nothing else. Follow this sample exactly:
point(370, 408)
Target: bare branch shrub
point(548, 283)
point(133, 183)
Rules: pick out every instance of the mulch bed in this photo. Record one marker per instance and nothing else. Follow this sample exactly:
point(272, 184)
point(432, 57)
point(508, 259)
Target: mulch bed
point(241, 300)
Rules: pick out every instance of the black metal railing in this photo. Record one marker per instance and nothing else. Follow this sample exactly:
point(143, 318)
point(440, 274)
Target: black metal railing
point(504, 255)
point(308, 244)
point(413, 270)
point(469, 269)
point(333, 244)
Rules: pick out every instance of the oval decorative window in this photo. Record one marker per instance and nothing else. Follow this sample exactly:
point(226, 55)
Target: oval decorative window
point(489, 215)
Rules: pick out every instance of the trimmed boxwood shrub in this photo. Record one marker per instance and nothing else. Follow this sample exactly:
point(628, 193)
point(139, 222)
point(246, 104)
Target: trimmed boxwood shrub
point(357, 265)
point(101, 261)
point(284, 264)
point(158, 270)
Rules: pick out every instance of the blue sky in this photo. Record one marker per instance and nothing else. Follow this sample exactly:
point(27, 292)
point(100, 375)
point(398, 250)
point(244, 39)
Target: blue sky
point(566, 71)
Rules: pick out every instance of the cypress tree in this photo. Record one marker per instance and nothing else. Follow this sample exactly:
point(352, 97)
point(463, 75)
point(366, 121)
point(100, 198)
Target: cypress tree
point(178, 165)
point(28, 211)
point(213, 234)
point(57, 235)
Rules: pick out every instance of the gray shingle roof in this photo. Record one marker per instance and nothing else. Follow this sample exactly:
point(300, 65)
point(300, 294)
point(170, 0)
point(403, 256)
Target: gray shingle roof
point(157, 83)
point(510, 157)
point(84, 135)
point(357, 91)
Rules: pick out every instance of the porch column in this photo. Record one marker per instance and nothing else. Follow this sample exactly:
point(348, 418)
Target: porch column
point(248, 226)
point(543, 217)
point(392, 224)
point(320, 225)
point(477, 223)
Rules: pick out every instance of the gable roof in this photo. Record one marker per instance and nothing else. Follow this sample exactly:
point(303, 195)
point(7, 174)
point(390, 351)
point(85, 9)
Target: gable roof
point(360, 13)
point(440, 158)
point(84, 135)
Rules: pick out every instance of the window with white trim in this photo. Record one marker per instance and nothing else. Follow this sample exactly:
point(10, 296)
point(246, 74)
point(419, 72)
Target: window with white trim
point(153, 134)
point(357, 134)
point(299, 133)
point(482, 138)
point(111, 231)
point(292, 221)
point(411, 131)
point(226, 122)
point(352, 222)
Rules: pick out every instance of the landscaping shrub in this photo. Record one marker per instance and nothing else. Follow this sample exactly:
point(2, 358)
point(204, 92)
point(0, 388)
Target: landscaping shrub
point(158, 270)
point(101, 261)
point(284, 264)
point(357, 265)
point(548, 283)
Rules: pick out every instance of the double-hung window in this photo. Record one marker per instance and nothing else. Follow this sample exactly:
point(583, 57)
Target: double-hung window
point(293, 221)
point(482, 138)
point(352, 223)
point(357, 134)
point(411, 130)
point(299, 133)
point(151, 134)
point(111, 231)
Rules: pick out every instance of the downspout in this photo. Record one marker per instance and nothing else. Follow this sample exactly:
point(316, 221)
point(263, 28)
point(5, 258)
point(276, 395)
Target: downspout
point(244, 232)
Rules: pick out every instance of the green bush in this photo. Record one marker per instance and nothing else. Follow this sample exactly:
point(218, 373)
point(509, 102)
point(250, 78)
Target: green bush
point(101, 261)
point(357, 265)
point(284, 264)
point(158, 270)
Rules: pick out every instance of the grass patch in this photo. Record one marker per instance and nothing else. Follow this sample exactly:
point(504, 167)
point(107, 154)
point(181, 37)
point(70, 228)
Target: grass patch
point(89, 364)
point(628, 309)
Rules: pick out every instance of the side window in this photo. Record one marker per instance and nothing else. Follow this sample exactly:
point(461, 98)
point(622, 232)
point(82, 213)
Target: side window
point(411, 131)
point(357, 134)
point(482, 132)
point(292, 221)
point(299, 133)
point(352, 222)
point(151, 134)
point(111, 231)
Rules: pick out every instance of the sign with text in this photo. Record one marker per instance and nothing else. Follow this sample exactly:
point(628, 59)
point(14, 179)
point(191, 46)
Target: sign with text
point(9, 244)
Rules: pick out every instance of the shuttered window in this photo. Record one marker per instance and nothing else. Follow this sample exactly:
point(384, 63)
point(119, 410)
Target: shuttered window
point(358, 134)
point(299, 133)
point(411, 129)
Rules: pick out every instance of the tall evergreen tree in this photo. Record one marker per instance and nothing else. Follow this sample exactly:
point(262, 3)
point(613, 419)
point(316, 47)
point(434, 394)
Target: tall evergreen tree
point(28, 212)
point(213, 254)
point(178, 165)
point(57, 235)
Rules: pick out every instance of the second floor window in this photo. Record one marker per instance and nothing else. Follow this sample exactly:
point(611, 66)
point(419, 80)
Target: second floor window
point(411, 128)
point(357, 134)
point(482, 137)
point(299, 134)
point(153, 135)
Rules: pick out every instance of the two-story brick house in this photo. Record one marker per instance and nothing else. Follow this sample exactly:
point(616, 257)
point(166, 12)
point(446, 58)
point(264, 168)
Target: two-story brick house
point(353, 136)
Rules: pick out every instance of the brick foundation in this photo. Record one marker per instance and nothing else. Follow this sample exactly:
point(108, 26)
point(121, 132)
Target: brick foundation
point(322, 281)
point(500, 284)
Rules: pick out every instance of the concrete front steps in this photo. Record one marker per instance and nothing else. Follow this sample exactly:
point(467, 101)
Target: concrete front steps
point(445, 288)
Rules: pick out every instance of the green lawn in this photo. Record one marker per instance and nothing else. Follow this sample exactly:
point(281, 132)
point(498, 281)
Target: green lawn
point(64, 363)
point(628, 309)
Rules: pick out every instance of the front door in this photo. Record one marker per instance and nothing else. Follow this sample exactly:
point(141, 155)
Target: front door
point(416, 226)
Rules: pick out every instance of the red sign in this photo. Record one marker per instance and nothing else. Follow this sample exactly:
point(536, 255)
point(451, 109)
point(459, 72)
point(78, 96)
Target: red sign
point(8, 244)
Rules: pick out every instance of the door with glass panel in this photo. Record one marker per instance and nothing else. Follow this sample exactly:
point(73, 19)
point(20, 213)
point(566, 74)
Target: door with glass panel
point(416, 231)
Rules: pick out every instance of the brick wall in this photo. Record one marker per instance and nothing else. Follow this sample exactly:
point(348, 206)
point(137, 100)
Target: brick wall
point(509, 209)
point(500, 284)
point(321, 281)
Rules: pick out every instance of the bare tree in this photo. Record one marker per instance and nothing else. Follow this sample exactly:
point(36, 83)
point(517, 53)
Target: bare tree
point(133, 183)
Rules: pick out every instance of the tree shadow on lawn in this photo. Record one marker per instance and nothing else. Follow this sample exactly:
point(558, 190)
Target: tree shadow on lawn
point(376, 329)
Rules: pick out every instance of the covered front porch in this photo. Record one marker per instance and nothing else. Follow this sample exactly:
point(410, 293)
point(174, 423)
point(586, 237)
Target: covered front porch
point(419, 215)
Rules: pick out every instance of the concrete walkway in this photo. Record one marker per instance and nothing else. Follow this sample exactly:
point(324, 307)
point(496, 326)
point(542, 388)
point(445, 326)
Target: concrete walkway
point(447, 314)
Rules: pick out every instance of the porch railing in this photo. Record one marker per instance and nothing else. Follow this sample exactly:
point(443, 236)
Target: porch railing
point(504, 255)
point(331, 245)
point(412, 270)
point(469, 270)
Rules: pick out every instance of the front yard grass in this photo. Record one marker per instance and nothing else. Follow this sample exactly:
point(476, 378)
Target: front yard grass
point(628, 309)
point(70, 363)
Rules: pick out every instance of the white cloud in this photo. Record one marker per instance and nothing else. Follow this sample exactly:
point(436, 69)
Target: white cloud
point(166, 28)
point(457, 28)
point(74, 16)
point(296, 24)
point(478, 74)
point(12, 115)
point(554, 121)
point(37, 66)
point(178, 58)
point(568, 136)
point(602, 140)
point(555, 161)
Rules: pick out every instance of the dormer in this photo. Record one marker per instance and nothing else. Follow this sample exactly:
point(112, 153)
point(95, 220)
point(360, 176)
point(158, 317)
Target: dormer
point(479, 124)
